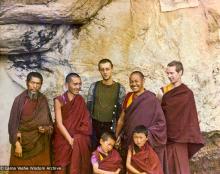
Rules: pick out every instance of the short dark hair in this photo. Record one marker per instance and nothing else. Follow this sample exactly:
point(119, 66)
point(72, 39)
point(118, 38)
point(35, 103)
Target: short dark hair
point(177, 64)
point(105, 61)
point(34, 74)
point(139, 73)
point(70, 75)
point(106, 135)
point(140, 129)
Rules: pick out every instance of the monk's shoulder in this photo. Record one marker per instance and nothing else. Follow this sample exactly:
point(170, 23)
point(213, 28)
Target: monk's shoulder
point(187, 89)
point(20, 96)
point(115, 151)
point(43, 96)
point(151, 95)
point(60, 98)
point(80, 98)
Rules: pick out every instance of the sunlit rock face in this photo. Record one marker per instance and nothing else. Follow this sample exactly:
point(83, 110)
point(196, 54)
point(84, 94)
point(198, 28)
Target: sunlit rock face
point(144, 38)
point(49, 11)
point(54, 38)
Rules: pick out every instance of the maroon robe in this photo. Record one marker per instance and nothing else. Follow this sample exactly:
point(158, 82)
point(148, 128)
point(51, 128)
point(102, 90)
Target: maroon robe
point(26, 116)
point(146, 110)
point(111, 163)
point(77, 121)
point(146, 160)
point(183, 132)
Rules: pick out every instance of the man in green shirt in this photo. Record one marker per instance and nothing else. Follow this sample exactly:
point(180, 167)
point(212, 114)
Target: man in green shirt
point(104, 101)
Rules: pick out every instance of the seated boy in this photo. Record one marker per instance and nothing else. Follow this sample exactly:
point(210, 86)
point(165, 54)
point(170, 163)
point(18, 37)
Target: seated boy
point(141, 158)
point(105, 159)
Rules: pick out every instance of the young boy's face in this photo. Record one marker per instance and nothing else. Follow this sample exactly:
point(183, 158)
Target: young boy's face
point(139, 139)
point(107, 145)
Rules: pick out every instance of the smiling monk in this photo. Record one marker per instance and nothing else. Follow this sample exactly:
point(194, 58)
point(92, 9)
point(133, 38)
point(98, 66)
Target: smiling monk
point(142, 107)
point(73, 130)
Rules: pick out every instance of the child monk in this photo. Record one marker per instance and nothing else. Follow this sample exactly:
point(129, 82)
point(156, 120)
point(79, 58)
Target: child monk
point(105, 159)
point(141, 158)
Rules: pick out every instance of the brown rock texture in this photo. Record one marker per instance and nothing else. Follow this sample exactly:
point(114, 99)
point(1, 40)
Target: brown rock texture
point(207, 160)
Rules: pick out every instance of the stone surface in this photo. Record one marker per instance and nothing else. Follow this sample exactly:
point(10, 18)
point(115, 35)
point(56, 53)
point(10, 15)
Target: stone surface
point(207, 160)
point(25, 38)
point(53, 12)
point(13, 89)
point(171, 5)
point(53, 64)
point(147, 40)
point(135, 35)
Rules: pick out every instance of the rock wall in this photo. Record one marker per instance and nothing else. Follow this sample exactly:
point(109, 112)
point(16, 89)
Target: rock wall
point(55, 37)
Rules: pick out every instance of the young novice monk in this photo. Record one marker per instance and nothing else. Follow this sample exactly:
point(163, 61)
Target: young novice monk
point(105, 159)
point(141, 158)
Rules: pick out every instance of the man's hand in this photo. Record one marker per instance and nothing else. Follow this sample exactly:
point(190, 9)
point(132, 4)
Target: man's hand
point(18, 149)
point(118, 171)
point(118, 142)
point(71, 141)
point(41, 129)
point(45, 129)
point(19, 136)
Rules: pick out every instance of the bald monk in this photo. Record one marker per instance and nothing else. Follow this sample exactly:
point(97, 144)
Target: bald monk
point(30, 127)
point(73, 130)
point(184, 137)
point(142, 107)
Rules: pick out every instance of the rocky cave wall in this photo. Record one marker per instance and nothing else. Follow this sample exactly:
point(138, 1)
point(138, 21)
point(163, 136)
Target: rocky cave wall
point(55, 37)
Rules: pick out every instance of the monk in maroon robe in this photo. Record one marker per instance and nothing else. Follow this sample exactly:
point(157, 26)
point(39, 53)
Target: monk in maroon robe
point(30, 128)
point(73, 130)
point(105, 158)
point(141, 157)
point(142, 107)
point(184, 137)
point(146, 160)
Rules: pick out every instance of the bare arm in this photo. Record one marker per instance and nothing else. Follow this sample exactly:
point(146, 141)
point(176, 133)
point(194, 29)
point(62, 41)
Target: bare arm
point(59, 122)
point(118, 171)
point(120, 123)
point(129, 166)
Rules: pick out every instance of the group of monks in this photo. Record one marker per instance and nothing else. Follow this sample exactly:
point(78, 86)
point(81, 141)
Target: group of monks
point(153, 133)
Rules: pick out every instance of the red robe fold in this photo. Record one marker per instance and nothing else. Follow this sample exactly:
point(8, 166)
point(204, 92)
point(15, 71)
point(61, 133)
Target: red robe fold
point(146, 110)
point(77, 121)
point(111, 163)
point(146, 160)
point(182, 120)
point(183, 132)
point(26, 116)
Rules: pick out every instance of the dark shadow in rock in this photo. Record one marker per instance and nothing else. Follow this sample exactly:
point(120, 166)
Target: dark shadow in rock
point(29, 62)
point(34, 40)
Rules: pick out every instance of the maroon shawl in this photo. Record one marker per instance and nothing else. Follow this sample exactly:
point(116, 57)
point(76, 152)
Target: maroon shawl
point(146, 110)
point(146, 160)
point(111, 163)
point(41, 115)
point(77, 121)
point(182, 120)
